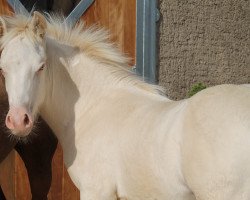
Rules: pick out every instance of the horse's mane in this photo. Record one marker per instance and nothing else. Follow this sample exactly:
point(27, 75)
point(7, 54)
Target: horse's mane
point(92, 41)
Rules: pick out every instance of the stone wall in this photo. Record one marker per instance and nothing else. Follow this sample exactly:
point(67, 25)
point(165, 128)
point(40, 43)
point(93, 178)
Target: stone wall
point(205, 41)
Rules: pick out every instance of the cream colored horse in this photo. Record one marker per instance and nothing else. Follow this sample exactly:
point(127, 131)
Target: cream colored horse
point(121, 138)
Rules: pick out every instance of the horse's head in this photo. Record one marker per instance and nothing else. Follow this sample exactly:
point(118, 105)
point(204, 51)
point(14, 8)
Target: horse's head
point(23, 63)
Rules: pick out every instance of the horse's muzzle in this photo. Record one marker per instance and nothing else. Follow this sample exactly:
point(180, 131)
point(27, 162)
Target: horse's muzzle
point(19, 121)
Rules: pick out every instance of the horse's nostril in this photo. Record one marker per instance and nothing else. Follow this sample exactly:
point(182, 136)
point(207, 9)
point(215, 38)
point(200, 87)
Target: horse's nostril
point(26, 119)
point(8, 119)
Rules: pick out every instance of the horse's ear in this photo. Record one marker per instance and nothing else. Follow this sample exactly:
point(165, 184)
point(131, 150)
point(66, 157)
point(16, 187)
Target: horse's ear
point(3, 27)
point(38, 24)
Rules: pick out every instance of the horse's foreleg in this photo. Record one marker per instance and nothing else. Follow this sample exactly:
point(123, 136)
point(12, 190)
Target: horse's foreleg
point(98, 190)
point(37, 157)
point(88, 195)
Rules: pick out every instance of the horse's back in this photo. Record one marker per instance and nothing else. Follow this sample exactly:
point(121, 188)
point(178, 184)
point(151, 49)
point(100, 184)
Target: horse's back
point(216, 143)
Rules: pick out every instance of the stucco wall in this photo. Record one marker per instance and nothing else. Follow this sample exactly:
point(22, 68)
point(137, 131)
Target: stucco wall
point(204, 41)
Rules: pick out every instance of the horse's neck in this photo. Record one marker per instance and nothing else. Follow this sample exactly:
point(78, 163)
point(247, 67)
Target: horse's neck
point(61, 94)
point(77, 83)
point(68, 77)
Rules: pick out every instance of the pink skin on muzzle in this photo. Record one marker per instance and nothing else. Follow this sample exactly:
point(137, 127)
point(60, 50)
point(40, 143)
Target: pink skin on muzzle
point(19, 121)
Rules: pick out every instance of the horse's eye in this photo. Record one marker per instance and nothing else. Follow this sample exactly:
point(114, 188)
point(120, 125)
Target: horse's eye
point(41, 68)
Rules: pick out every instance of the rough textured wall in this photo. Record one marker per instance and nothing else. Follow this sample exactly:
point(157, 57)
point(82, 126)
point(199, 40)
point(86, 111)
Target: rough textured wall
point(205, 41)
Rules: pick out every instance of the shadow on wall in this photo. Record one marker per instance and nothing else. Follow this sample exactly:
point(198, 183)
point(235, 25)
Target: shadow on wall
point(203, 41)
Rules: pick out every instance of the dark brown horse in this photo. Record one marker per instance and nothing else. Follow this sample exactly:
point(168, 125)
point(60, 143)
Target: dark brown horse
point(37, 154)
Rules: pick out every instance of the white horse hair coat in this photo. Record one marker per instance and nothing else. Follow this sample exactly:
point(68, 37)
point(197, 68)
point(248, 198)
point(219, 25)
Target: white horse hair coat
point(121, 138)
